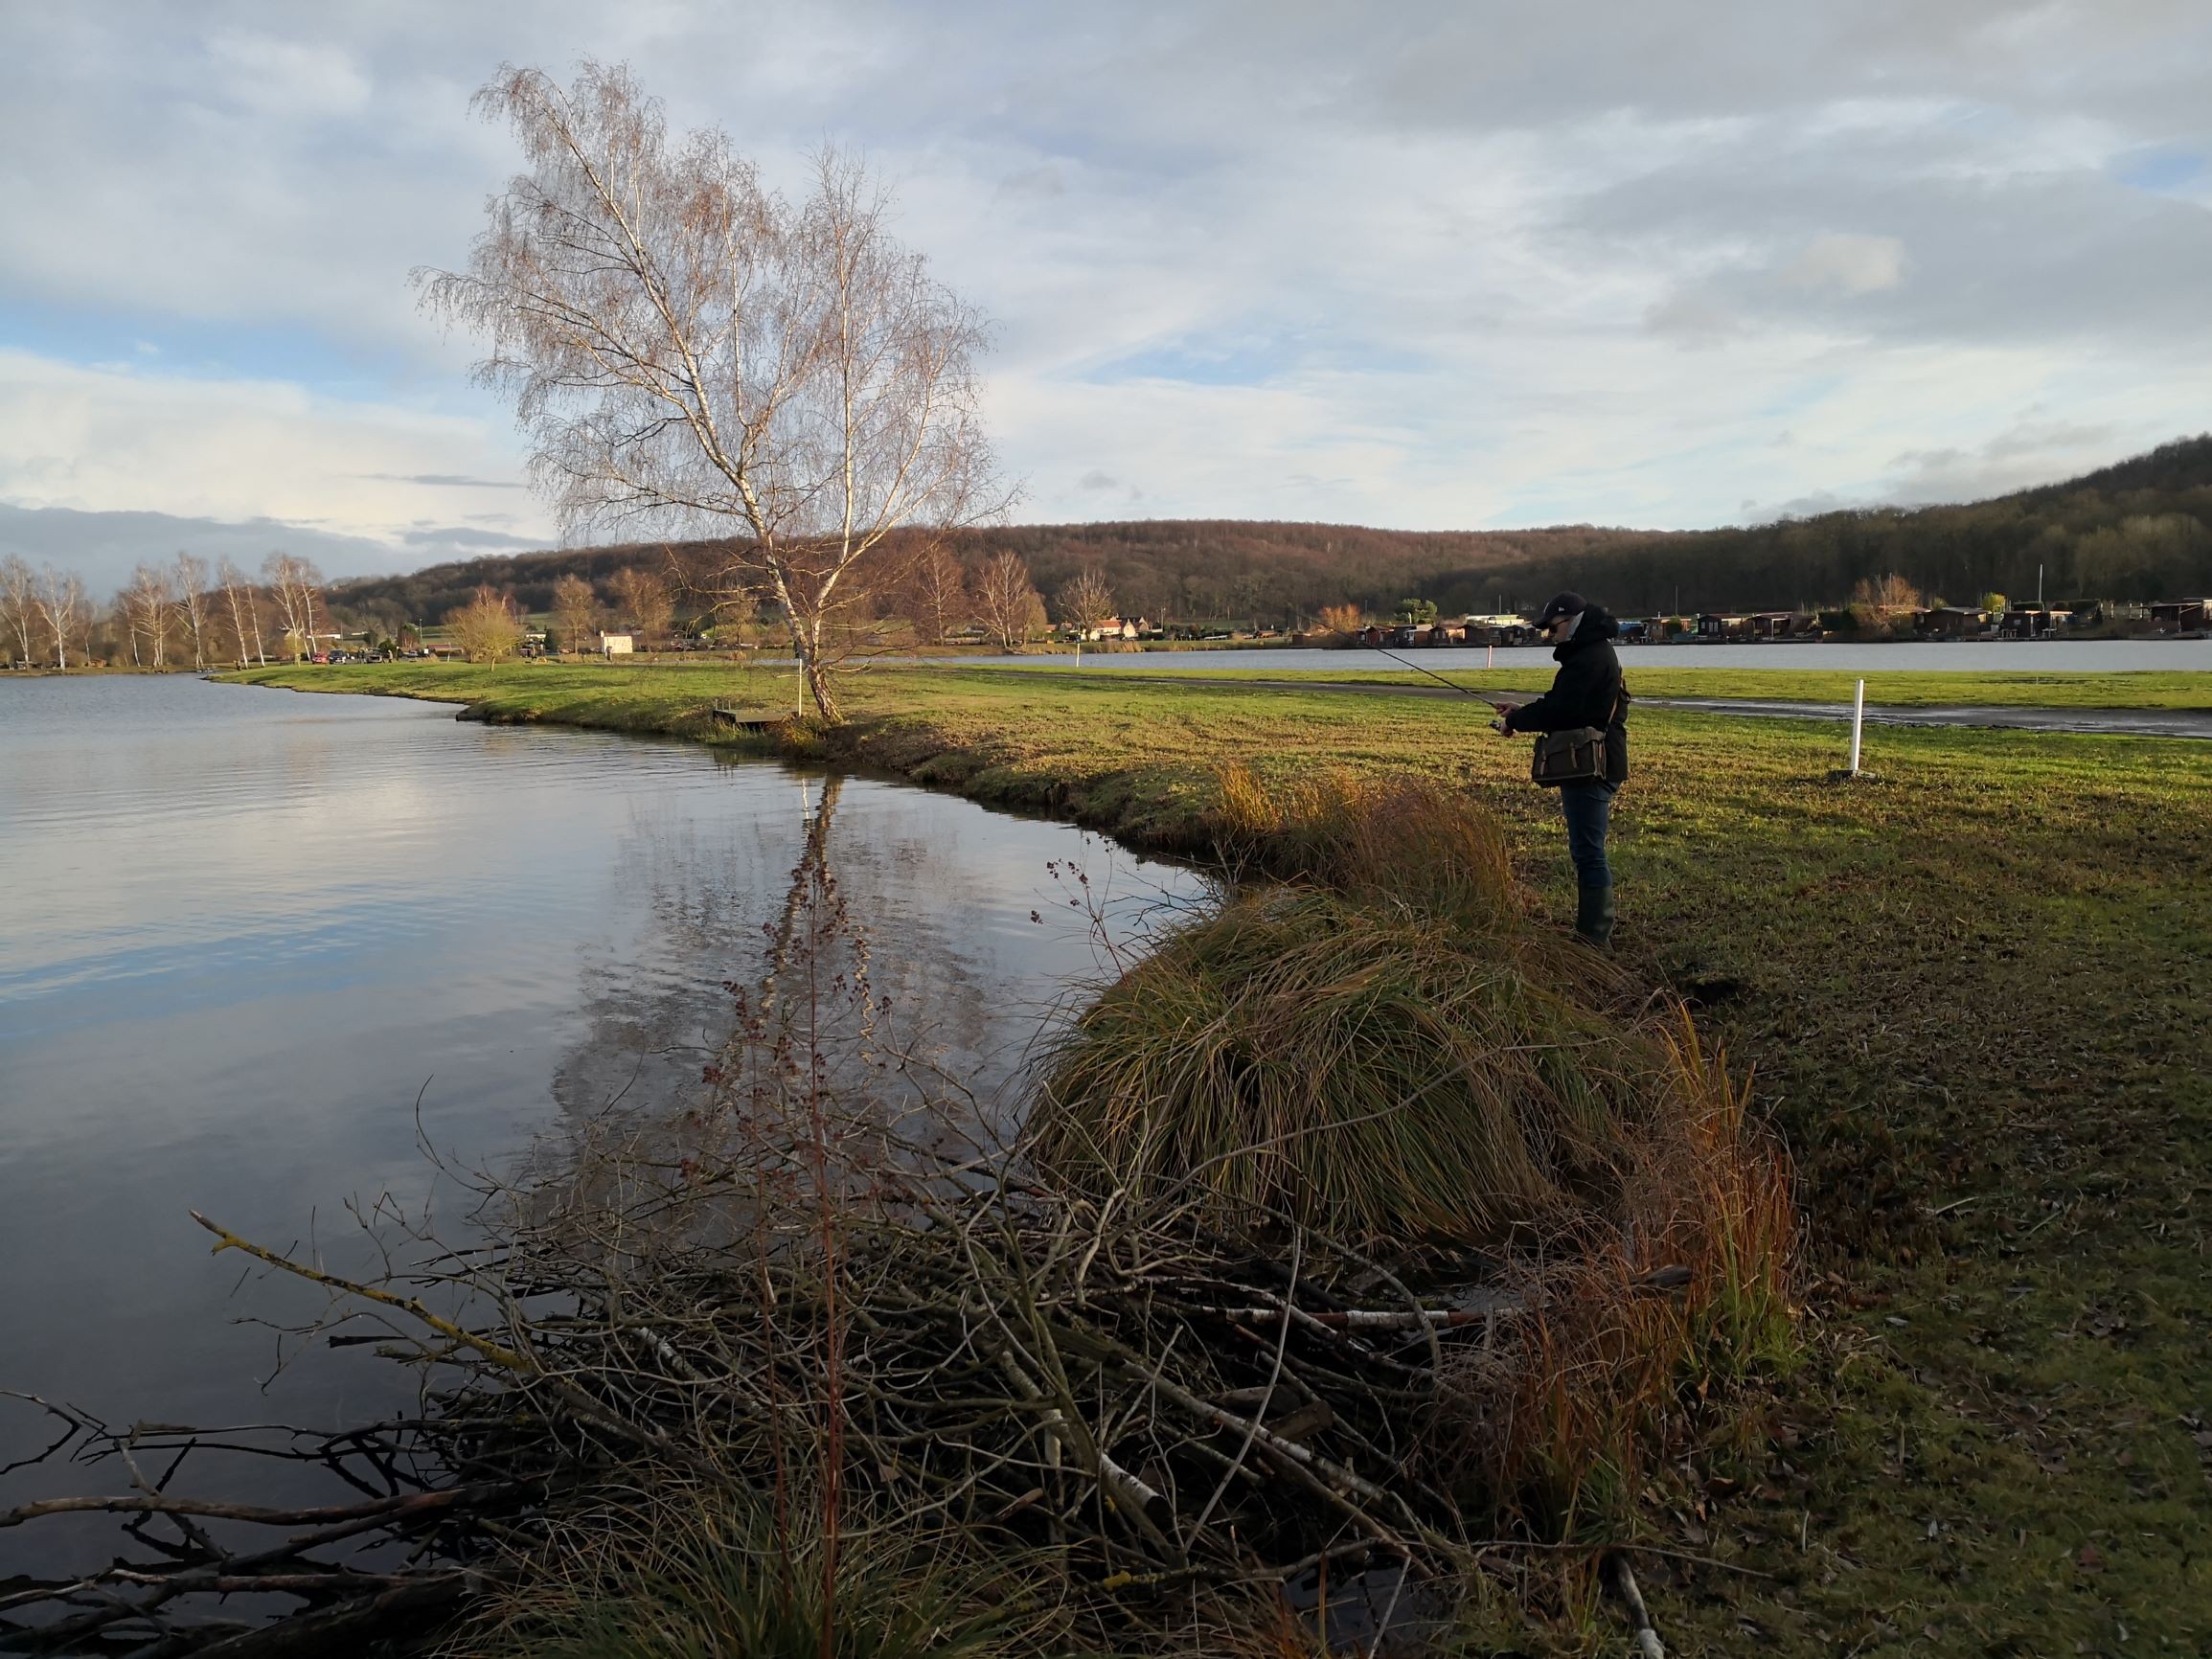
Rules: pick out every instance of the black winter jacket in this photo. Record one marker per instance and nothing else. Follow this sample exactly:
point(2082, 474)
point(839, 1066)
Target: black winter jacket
point(1586, 691)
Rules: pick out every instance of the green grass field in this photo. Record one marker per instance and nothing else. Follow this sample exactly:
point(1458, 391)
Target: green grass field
point(1977, 987)
point(2150, 689)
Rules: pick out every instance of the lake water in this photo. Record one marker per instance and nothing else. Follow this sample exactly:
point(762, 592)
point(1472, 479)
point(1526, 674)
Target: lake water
point(253, 943)
point(1983, 656)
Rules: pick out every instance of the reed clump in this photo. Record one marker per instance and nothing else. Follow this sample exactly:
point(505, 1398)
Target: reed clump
point(1380, 1043)
point(721, 1572)
point(1632, 1339)
point(1400, 842)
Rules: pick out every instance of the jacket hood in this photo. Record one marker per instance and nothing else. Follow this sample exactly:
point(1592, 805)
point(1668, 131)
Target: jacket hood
point(1597, 624)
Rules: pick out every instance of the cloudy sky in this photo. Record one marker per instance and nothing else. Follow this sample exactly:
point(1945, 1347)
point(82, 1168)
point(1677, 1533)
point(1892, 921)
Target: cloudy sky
point(1424, 266)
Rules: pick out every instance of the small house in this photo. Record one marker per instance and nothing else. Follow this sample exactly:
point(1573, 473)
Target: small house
point(1721, 625)
point(1953, 622)
point(1496, 628)
point(2034, 622)
point(2182, 615)
point(616, 645)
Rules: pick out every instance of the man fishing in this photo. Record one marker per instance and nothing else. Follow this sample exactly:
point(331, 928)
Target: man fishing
point(1586, 693)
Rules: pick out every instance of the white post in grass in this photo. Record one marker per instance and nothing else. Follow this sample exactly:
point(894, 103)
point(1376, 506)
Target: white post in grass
point(1858, 720)
point(1489, 655)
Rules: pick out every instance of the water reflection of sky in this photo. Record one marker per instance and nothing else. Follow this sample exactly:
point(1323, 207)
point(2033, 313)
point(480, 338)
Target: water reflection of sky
point(242, 933)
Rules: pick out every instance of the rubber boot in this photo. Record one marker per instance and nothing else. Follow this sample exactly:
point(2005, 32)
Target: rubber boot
point(1594, 914)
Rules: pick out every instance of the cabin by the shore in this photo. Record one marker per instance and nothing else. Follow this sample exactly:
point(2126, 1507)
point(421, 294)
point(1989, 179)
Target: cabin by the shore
point(1955, 621)
point(2033, 622)
point(2182, 615)
point(1116, 627)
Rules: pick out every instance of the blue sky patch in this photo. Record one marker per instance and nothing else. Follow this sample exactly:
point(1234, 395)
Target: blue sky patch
point(2160, 170)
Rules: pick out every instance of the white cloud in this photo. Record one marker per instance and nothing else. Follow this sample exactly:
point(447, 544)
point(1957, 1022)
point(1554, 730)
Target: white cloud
point(118, 440)
point(1848, 263)
point(1429, 265)
point(286, 77)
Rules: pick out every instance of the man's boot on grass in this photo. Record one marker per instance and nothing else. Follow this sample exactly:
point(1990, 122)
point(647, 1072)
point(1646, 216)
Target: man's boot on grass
point(1594, 914)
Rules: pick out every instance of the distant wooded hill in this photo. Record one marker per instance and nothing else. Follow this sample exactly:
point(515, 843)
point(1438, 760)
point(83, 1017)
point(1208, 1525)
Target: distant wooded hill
point(2138, 530)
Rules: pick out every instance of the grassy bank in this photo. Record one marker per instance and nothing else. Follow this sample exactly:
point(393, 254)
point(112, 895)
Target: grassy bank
point(770, 684)
point(1973, 984)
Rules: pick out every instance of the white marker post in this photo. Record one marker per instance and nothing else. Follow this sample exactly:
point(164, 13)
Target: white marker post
point(1858, 720)
point(1489, 655)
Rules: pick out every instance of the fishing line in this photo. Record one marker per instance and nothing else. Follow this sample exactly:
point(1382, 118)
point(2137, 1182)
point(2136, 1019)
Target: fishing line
point(1430, 672)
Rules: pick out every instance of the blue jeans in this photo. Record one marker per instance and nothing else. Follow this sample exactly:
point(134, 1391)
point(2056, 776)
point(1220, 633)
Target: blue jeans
point(1588, 808)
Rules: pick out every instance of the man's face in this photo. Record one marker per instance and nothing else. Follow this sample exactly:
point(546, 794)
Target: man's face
point(1561, 626)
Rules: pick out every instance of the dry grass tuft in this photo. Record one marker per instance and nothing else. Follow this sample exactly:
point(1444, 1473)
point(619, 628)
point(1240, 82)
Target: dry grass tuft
point(1409, 842)
point(1625, 1344)
point(1395, 1079)
point(712, 1573)
point(1381, 1045)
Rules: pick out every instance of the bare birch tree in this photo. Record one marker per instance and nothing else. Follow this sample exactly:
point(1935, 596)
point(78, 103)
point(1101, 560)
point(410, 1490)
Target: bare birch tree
point(1007, 601)
point(934, 597)
point(575, 610)
point(190, 573)
point(148, 605)
point(18, 605)
point(123, 623)
point(296, 585)
point(1086, 602)
point(244, 606)
point(63, 608)
point(690, 351)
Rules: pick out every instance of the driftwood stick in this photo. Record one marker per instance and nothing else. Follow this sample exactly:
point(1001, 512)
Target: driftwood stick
point(411, 1305)
point(158, 1504)
point(1266, 1390)
point(1304, 1457)
point(291, 1583)
point(1364, 1318)
point(1623, 1580)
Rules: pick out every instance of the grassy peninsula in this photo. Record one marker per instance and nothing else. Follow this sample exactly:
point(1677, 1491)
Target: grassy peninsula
point(1973, 986)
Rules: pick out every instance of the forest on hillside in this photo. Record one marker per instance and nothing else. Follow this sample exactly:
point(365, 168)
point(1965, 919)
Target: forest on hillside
point(2139, 530)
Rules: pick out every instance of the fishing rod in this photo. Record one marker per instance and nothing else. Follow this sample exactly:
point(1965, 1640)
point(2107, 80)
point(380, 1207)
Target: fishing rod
point(1496, 725)
point(1435, 676)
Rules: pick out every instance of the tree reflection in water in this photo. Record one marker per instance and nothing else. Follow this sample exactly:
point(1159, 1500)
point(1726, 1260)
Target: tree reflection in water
point(922, 938)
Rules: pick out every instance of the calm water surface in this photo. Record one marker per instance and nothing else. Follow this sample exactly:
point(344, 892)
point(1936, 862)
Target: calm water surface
point(252, 943)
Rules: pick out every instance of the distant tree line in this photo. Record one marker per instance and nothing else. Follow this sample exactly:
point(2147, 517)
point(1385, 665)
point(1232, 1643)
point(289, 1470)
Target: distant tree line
point(2138, 530)
point(171, 614)
point(2141, 529)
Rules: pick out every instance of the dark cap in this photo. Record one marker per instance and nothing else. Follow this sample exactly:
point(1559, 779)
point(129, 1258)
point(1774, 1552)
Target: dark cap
point(1561, 604)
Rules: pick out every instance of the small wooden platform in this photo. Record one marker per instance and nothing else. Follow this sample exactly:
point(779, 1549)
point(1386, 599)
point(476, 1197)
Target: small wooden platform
point(742, 720)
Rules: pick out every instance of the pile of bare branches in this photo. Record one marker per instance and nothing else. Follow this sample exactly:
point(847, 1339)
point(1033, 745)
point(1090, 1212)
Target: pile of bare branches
point(1149, 1404)
point(209, 1576)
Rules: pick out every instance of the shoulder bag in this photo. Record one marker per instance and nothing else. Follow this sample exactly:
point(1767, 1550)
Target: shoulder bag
point(1577, 755)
